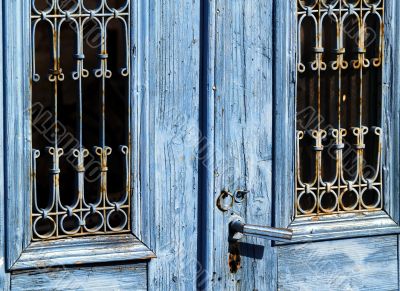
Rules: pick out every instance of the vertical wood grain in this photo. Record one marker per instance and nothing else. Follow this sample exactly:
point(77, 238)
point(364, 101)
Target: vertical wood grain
point(172, 136)
point(284, 110)
point(4, 277)
point(391, 111)
point(116, 277)
point(241, 62)
point(352, 264)
point(16, 132)
point(395, 93)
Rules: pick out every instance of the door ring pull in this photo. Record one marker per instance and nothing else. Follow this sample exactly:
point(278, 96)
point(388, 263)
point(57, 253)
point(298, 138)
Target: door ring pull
point(221, 201)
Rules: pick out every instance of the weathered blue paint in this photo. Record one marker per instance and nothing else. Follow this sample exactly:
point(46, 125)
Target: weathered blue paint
point(83, 250)
point(284, 110)
point(353, 264)
point(115, 277)
point(4, 277)
point(240, 111)
point(391, 110)
point(16, 128)
point(171, 136)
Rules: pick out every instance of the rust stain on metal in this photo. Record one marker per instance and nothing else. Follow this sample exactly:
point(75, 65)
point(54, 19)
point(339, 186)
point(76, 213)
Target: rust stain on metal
point(221, 201)
point(234, 257)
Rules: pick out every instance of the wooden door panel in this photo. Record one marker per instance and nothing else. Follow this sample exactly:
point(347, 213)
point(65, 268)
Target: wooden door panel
point(165, 120)
point(251, 153)
point(116, 277)
point(169, 194)
point(350, 264)
point(240, 95)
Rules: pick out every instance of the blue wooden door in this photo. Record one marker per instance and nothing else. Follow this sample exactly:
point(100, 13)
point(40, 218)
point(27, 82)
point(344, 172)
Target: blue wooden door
point(282, 79)
point(60, 46)
point(212, 103)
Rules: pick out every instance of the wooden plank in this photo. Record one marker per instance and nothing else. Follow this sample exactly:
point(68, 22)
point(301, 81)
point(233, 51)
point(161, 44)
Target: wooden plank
point(395, 91)
point(116, 277)
point(4, 277)
point(352, 264)
point(84, 250)
point(339, 226)
point(170, 115)
point(284, 110)
point(391, 110)
point(142, 214)
point(242, 63)
point(16, 127)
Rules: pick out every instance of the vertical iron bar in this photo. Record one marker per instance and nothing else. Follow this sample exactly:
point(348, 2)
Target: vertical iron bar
point(103, 116)
point(318, 153)
point(56, 72)
point(339, 160)
point(81, 175)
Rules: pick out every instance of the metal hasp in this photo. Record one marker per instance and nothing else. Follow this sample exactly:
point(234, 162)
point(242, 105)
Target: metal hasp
point(238, 228)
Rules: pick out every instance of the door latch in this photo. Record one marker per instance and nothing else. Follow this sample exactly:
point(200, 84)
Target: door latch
point(238, 228)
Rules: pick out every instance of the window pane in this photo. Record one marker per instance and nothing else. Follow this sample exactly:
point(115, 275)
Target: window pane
point(339, 90)
point(80, 118)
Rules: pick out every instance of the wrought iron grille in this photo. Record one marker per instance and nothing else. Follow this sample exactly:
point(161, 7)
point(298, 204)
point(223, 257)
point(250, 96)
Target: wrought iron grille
point(339, 88)
point(80, 117)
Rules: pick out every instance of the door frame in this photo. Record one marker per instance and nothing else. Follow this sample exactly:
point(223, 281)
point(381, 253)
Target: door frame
point(284, 89)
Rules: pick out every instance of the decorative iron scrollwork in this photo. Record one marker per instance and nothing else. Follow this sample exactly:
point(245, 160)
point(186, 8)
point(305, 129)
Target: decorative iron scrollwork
point(343, 116)
point(80, 215)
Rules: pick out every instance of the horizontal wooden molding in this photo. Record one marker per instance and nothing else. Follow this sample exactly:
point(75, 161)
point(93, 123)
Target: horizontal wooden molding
point(85, 250)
